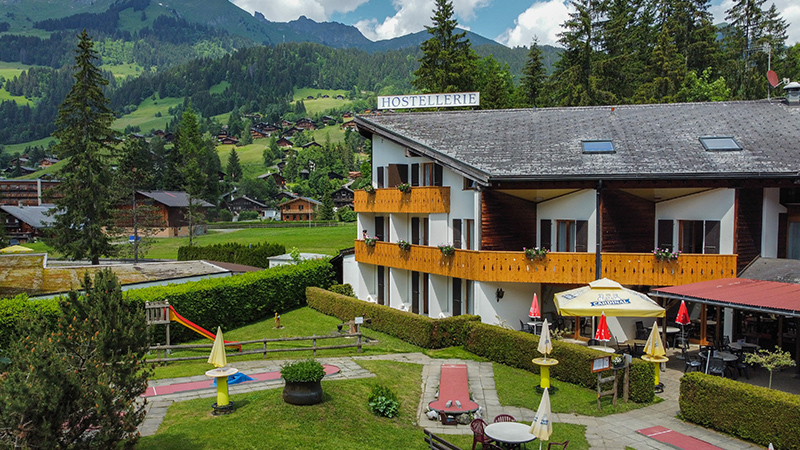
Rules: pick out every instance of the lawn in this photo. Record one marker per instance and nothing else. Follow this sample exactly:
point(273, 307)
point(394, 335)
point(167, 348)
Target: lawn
point(145, 116)
point(9, 70)
point(251, 157)
point(318, 105)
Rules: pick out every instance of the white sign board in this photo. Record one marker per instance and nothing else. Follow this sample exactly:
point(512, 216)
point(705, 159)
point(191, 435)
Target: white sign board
point(451, 100)
point(359, 320)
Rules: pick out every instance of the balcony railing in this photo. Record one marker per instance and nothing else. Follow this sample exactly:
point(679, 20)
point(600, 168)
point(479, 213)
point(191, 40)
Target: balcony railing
point(558, 268)
point(421, 199)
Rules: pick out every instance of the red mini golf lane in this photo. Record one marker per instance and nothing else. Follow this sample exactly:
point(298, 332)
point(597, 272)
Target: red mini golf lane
point(676, 439)
point(206, 384)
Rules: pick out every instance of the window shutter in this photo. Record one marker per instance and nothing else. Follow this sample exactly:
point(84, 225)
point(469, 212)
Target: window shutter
point(545, 240)
point(438, 175)
point(581, 235)
point(415, 174)
point(665, 232)
point(457, 233)
point(711, 242)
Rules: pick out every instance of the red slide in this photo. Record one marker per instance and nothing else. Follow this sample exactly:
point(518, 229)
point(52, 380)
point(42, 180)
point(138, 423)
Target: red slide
point(175, 317)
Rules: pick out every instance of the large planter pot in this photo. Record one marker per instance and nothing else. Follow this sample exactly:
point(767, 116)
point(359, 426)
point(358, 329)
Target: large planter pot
point(303, 392)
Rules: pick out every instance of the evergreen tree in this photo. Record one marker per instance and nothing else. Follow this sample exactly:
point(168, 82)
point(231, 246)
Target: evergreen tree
point(84, 131)
point(234, 168)
point(17, 172)
point(272, 151)
point(534, 75)
point(326, 210)
point(246, 138)
point(78, 384)
point(448, 61)
point(665, 71)
point(495, 84)
point(235, 124)
point(195, 180)
point(272, 188)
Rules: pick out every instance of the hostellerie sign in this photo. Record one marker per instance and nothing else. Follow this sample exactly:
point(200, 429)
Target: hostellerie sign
point(452, 100)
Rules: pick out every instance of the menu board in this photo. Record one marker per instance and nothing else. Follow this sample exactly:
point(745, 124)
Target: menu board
point(601, 364)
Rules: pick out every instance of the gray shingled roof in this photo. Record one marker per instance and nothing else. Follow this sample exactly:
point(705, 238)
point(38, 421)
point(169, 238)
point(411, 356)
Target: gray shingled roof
point(35, 216)
point(174, 199)
point(651, 141)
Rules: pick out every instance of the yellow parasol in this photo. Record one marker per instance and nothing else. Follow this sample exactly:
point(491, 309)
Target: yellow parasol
point(542, 426)
point(217, 356)
point(545, 344)
point(654, 347)
point(16, 249)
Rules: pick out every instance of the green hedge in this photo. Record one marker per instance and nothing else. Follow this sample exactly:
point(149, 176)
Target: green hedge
point(231, 302)
point(412, 328)
point(497, 344)
point(256, 255)
point(19, 309)
point(753, 413)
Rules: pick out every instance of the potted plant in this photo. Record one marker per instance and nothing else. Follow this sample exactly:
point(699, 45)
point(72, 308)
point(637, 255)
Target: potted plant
point(447, 249)
point(405, 188)
point(535, 252)
point(369, 189)
point(404, 245)
point(664, 254)
point(303, 382)
point(370, 241)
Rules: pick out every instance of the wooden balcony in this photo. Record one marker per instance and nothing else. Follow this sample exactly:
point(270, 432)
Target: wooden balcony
point(557, 268)
point(421, 200)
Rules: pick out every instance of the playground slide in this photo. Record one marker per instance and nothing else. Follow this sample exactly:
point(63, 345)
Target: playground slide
point(175, 317)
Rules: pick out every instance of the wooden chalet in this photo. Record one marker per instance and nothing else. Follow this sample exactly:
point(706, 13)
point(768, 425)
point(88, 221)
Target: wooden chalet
point(306, 124)
point(245, 203)
point(344, 196)
point(284, 143)
point(298, 209)
point(311, 144)
point(26, 223)
point(279, 179)
point(349, 125)
point(229, 140)
point(24, 192)
point(171, 207)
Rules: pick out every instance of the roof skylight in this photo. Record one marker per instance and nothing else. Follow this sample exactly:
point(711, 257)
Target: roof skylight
point(720, 143)
point(598, 146)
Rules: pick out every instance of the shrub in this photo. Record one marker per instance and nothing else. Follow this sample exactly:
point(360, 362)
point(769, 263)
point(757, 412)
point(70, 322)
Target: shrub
point(225, 215)
point(383, 402)
point(303, 371)
point(256, 255)
point(754, 413)
point(18, 311)
point(248, 215)
point(241, 299)
point(344, 289)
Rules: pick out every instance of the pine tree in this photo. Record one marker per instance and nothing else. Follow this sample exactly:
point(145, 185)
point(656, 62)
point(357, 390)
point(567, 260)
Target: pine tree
point(234, 168)
point(495, 83)
point(192, 150)
point(534, 75)
point(78, 384)
point(84, 131)
point(448, 62)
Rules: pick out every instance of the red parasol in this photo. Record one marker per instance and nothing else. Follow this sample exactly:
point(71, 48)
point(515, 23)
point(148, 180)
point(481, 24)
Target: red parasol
point(683, 315)
point(534, 313)
point(602, 333)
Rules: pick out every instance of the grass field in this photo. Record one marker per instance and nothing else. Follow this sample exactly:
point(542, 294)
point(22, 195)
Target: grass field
point(122, 71)
point(219, 88)
point(14, 148)
point(145, 116)
point(251, 157)
point(9, 70)
point(318, 105)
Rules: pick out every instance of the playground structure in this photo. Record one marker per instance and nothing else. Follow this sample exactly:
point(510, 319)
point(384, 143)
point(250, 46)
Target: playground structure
point(162, 313)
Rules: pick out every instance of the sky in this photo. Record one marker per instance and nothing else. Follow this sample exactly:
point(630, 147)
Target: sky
point(509, 22)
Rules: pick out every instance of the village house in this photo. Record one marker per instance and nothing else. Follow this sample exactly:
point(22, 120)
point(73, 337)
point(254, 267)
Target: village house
point(26, 223)
point(284, 143)
point(299, 209)
point(310, 144)
point(279, 179)
point(24, 192)
point(598, 187)
point(343, 196)
point(245, 203)
point(306, 124)
point(171, 209)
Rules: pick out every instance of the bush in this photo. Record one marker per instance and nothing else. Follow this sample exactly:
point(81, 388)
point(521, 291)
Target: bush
point(344, 289)
point(225, 215)
point(18, 311)
point(754, 413)
point(412, 328)
point(302, 371)
point(238, 300)
point(383, 402)
point(248, 215)
point(250, 255)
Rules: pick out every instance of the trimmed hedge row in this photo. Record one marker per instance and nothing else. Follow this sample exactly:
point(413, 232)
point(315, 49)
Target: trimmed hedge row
point(250, 255)
point(19, 309)
point(412, 328)
point(235, 301)
point(517, 349)
point(753, 413)
point(497, 344)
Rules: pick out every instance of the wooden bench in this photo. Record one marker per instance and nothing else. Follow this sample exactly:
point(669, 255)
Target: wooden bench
point(453, 393)
point(437, 443)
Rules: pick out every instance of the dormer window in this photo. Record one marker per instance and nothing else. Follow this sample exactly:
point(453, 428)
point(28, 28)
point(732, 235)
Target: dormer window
point(720, 144)
point(598, 147)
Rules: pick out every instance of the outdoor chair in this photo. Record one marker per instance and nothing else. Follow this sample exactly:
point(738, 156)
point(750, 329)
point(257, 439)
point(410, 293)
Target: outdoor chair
point(741, 366)
point(491, 447)
point(525, 327)
point(622, 348)
point(504, 418)
point(716, 366)
point(692, 363)
point(477, 426)
point(558, 445)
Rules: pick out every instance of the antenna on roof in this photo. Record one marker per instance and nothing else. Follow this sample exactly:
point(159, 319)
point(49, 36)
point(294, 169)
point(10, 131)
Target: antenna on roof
point(772, 77)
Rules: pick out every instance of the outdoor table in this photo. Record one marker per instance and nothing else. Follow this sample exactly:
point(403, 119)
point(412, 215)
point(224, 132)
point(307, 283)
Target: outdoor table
point(536, 326)
point(603, 349)
point(509, 432)
point(738, 346)
point(726, 356)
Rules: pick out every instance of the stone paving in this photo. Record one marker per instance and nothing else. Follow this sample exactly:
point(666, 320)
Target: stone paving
point(603, 433)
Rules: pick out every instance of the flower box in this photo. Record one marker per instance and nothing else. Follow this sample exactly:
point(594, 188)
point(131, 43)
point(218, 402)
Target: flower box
point(664, 254)
point(405, 188)
point(535, 253)
point(447, 250)
point(404, 245)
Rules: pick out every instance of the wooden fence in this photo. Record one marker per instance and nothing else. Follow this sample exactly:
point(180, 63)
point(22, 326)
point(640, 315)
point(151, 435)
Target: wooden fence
point(163, 349)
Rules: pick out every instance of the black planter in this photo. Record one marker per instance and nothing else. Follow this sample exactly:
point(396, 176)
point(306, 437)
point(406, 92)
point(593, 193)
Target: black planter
point(303, 392)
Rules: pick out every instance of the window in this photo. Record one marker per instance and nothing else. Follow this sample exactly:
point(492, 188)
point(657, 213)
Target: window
point(598, 147)
point(469, 184)
point(664, 237)
point(432, 174)
point(457, 233)
point(572, 235)
point(379, 172)
point(456, 296)
point(698, 236)
point(546, 234)
point(470, 309)
point(300, 207)
point(720, 144)
point(397, 174)
point(469, 226)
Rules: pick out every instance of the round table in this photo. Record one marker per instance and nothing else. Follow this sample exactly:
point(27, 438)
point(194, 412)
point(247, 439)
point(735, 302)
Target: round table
point(509, 432)
point(726, 356)
point(603, 349)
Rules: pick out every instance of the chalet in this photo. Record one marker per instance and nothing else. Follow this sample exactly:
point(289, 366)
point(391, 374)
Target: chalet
point(245, 203)
point(24, 192)
point(347, 115)
point(311, 144)
point(279, 179)
point(168, 137)
point(349, 125)
point(47, 162)
point(328, 118)
point(25, 223)
point(343, 196)
point(304, 174)
point(292, 131)
point(340, 97)
point(229, 140)
point(268, 128)
point(281, 165)
point(599, 187)
point(172, 208)
point(257, 133)
point(284, 143)
point(306, 124)
point(23, 169)
point(353, 175)
point(284, 196)
point(298, 209)
point(286, 124)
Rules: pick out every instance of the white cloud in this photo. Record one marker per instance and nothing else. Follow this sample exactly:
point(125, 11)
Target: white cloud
point(789, 10)
point(542, 20)
point(286, 10)
point(412, 16)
